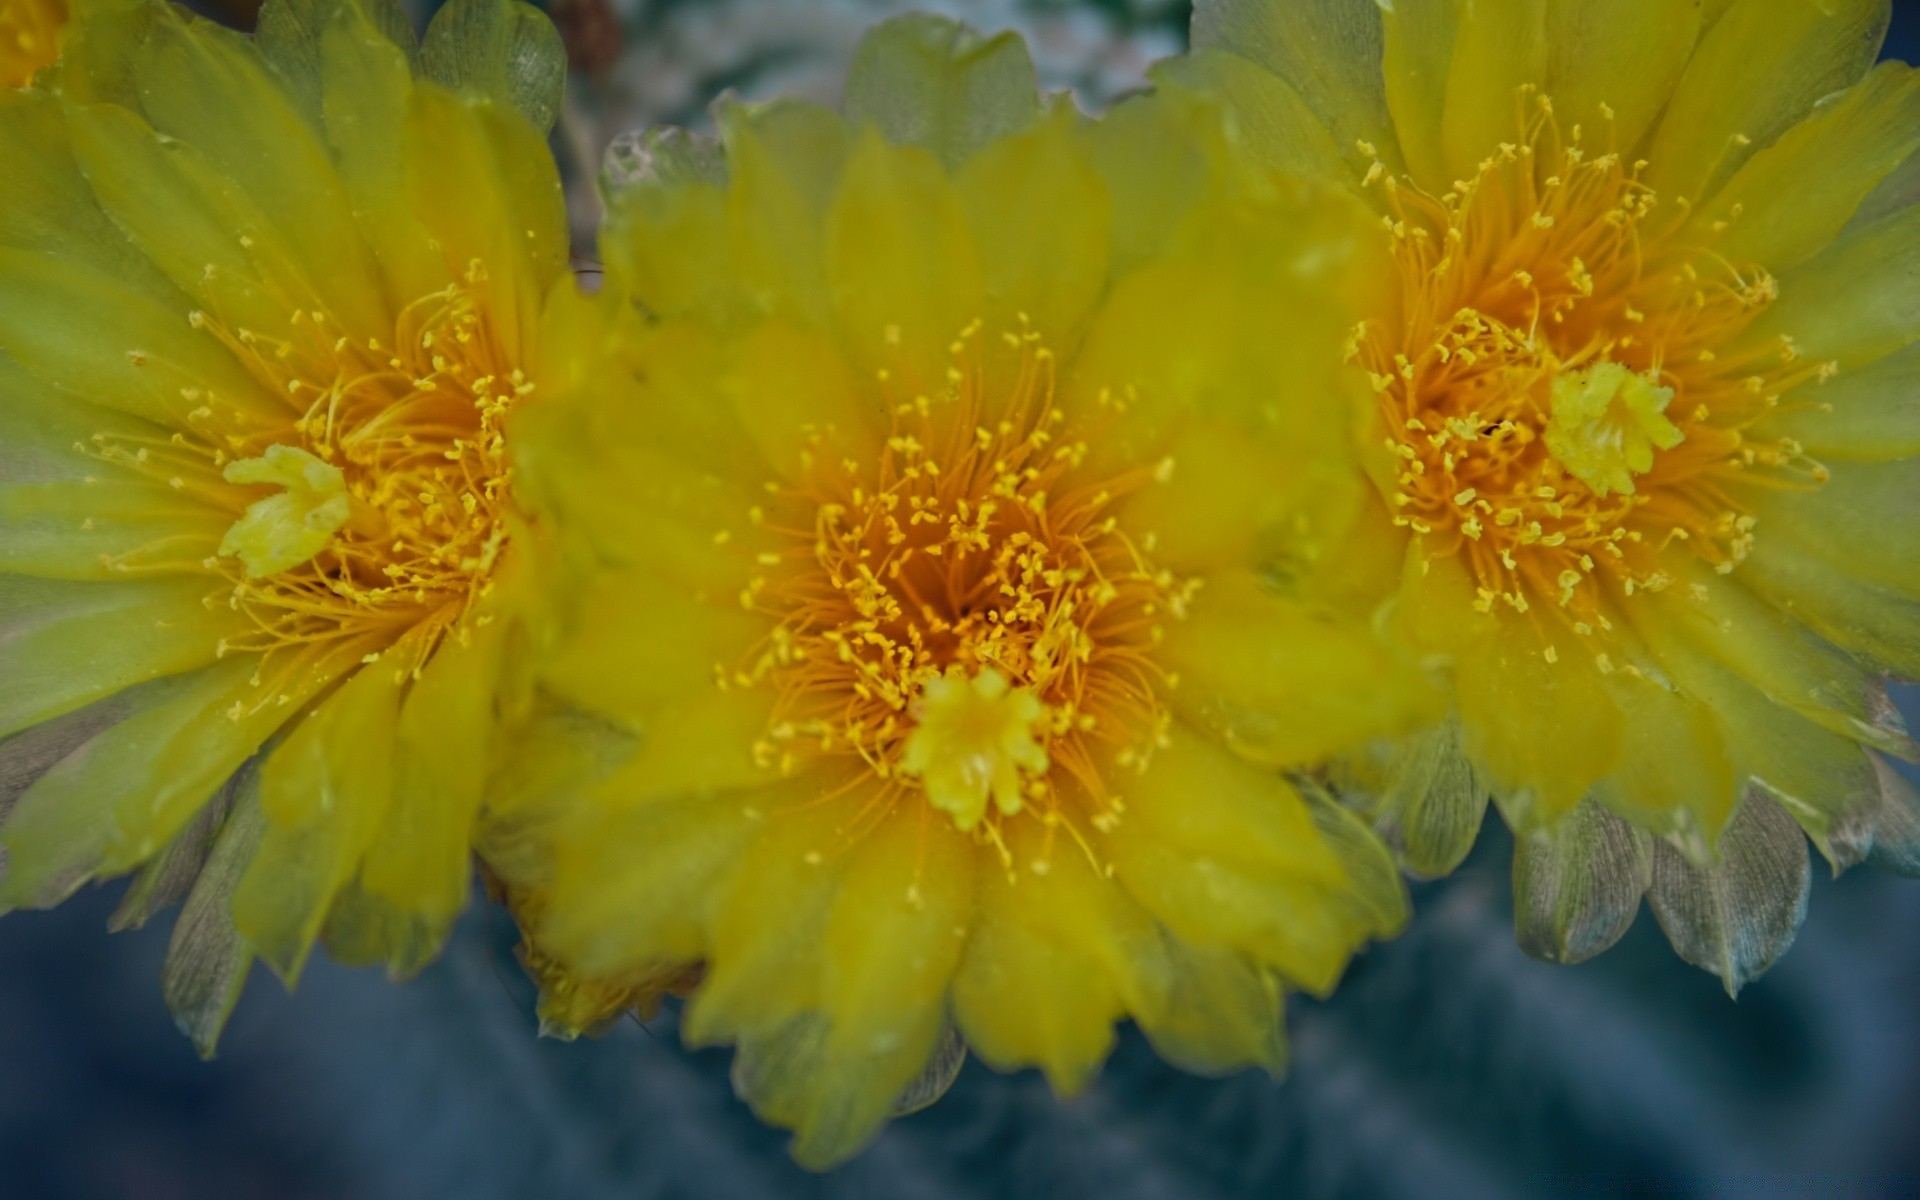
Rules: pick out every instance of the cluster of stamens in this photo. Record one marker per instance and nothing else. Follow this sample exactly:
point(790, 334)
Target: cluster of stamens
point(370, 513)
point(964, 615)
point(1560, 392)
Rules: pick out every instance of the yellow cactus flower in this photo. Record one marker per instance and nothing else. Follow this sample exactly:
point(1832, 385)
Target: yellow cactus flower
point(266, 304)
point(1644, 395)
point(954, 537)
point(29, 38)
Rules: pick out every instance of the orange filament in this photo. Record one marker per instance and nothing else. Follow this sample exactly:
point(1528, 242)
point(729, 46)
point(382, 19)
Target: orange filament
point(968, 548)
point(416, 430)
point(1550, 266)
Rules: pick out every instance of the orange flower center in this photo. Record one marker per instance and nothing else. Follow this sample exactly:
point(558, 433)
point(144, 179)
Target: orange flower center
point(1559, 388)
point(964, 614)
point(376, 509)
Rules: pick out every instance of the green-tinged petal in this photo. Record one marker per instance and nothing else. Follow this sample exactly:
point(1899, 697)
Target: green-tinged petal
point(1078, 951)
point(107, 529)
point(365, 83)
point(188, 219)
point(485, 184)
point(1758, 70)
point(290, 34)
point(1577, 883)
point(1328, 53)
point(887, 956)
point(1857, 523)
point(1737, 917)
point(1499, 47)
point(1222, 1013)
point(325, 792)
point(1878, 623)
point(31, 753)
point(1544, 731)
point(68, 644)
point(1285, 685)
point(645, 647)
point(901, 264)
point(1718, 617)
point(929, 81)
point(1792, 198)
point(207, 959)
point(769, 918)
point(1422, 795)
point(1618, 55)
point(1870, 414)
point(49, 206)
point(633, 884)
point(209, 88)
point(120, 799)
point(420, 864)
point(82, 331)
point(1674, 777)
point(500, 49)
point(1271, 121)
point(1416, 54)
point(786, 162)
point(1188, 850)
point(1041, 216)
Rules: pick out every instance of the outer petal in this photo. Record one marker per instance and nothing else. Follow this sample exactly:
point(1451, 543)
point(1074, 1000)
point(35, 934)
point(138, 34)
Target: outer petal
point(70, 644)
point(1328, 52)
point(1074, 949)
point(1758, 70)
point(1871, 414)
point(901, 264)
point(1285, 685)
point(1856, 300)
point(1793, 198)
point(505, 51)
point(1623, 54)
point(930, 81)
point(885, 956)
point(1041, 217)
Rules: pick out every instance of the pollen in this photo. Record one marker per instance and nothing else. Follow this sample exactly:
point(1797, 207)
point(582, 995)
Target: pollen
point(1568, 391)
point(963, 615)
point(372, 507)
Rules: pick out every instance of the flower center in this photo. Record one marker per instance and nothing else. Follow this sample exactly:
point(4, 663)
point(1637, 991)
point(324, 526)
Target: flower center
point(374, 508)
point(965, 614)
point(1559, 390)
point(1606, 424)
point(29, 38)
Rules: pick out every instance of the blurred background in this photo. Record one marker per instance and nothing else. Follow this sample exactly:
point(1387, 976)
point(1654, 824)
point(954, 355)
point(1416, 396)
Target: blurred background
point(1447, 1065)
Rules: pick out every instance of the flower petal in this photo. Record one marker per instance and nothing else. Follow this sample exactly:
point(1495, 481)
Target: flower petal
point(929, 81)
point(1577, 883)
point(1757, 70)
point(1737, 917)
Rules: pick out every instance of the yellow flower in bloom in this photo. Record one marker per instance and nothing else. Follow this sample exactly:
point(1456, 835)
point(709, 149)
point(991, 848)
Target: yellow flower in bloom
point(267, 304)
point(1644, 397)
point(29, 38)
point(957, 557)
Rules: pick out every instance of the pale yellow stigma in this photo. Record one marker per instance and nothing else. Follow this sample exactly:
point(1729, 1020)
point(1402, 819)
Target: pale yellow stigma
point(282, 531)
point(974, 742)
point(1606, 423)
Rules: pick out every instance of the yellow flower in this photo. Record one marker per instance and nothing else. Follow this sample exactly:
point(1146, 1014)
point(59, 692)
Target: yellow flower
point(954, 542)
point(29, 38)
point(267, 304)
point(1644, 393)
